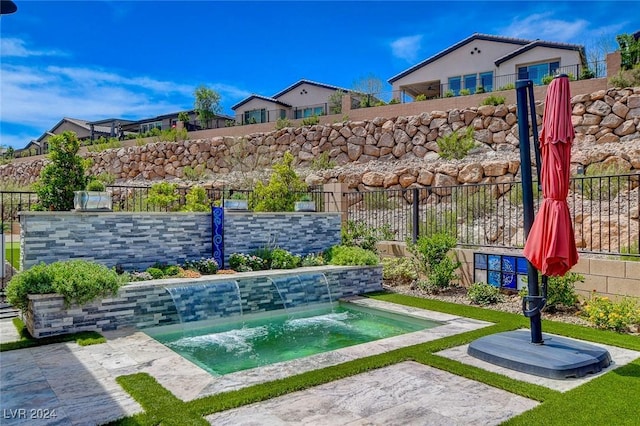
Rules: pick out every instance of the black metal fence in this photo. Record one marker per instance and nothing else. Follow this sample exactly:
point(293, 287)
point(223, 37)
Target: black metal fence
point(604, 211)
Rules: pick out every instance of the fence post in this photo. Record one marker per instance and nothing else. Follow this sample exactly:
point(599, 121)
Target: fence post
point(337, 202)
point(416, 213)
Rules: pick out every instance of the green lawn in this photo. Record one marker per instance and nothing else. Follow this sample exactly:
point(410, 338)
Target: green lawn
point(12, 253)
point(599, 401)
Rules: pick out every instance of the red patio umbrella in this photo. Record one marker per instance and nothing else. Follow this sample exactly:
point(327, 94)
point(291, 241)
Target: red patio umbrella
point(551, 245)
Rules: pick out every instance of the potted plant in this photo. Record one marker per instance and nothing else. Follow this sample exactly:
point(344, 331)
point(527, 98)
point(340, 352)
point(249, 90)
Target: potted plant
point(236, 201)
point(305, 204)
point(93, 198)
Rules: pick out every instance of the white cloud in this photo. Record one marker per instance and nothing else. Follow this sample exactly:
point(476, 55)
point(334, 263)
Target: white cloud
point(543, 26)
point(15, 47)
point(406, 47)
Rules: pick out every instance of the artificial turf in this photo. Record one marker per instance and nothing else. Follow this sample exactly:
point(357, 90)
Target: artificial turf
point(611, 398)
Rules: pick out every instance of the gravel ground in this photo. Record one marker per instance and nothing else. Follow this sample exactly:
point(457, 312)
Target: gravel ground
point(511, 303)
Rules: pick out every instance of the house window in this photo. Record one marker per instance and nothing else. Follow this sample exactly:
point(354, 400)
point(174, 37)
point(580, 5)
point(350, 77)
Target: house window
point(454, 85)
point(309, 112)
point(470, 82)
point(147, 127)
point(536, 72)
point(255, 116)
point(486, 81)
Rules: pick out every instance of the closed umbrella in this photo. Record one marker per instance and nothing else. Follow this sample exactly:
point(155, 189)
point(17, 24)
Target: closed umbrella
point(551, 245)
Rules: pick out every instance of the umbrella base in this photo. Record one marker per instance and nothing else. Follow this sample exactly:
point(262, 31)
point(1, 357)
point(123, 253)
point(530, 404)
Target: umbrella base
point(556, 358)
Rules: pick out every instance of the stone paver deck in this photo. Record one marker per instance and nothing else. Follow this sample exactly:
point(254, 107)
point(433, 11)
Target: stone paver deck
point(79, 383)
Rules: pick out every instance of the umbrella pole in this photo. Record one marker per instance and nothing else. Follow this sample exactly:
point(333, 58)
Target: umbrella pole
point(533, 303)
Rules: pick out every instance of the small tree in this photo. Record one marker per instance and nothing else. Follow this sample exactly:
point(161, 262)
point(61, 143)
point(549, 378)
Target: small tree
point(335, 102)
point(163, 195)
point(366, 89)
point(280, 195)
point(183, 116)
point(207, 104)
point(63, 175)
point(629, 50)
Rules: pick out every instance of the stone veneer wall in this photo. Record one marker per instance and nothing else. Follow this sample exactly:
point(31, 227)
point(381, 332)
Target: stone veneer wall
point(149, 303)
point(135, 241)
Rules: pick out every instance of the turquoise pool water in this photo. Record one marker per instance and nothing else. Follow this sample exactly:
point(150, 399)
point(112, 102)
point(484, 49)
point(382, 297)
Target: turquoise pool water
point(280, 336)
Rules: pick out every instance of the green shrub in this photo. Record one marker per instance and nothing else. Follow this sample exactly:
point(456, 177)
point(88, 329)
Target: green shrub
point(508, 86)
point(281, 193)
point(473, 205)
point(449, 94)
point(310, 121)
point(561, 292)
point(172, 270)
point(206, 266)
point(587, 74)
point(394, 101)
point(378, 200)
point(484, 294)
point(617, 316)
point(351, 255)
point(313, 259)
point(63, 175)
point(196, 200)
point(480, 90)
point(455, 145)
point(493, 100)
point(465, 92)
point(241, 262)
point(361, 235)
point(194, 173)
point(102, 144)
point(421, 97)
point(162, 195)
point(282, 259)
point(95, 185)
point(438, 221)
point(430, 253)
point(156, 273)
point(78, 281)
point(547, 79)
point(398, 270)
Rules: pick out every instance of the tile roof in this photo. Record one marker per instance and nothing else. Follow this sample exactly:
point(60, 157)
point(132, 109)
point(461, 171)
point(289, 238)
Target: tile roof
point(313, 83)
point(539, 43)
point(264, 98)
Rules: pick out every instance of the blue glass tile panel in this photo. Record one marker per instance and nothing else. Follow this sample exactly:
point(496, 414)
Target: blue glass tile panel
point(217, 218)
point(509, 280)
point(480, 261)
point(494, 262)
point(522, 265)
point(494, 278)
point(508, 263)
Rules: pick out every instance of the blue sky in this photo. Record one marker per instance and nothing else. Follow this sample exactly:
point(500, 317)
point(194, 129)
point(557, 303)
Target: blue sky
point(136, 59)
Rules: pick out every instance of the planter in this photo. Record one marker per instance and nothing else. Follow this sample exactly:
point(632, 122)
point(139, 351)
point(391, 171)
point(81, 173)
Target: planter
point(305, 206)
point(236, 204)
point(92, 201)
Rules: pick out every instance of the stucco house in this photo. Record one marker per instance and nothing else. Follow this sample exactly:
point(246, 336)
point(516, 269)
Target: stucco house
point(487, 61)
point(302, 99)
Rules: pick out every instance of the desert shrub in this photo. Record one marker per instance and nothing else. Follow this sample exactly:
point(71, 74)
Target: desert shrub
point(310, 121)
point(480, 90)
point(313, 259)
point(421, 97)
point(378, 200)
point(473, 205)
point(196, 200)
point(281, 193)
point(484, 294)
point(561, 292)
point(140, 276)
point(351, 255)
point(162, 195)
point(322, 162)
point(547, 79)
point(508, 86)
point(282, 123)
point(617, 316)
point(493, 100)
point(78, 281)
point(438, 221)
point(449, 93)
point(206, 266)
point(156, 273)
point(194, 173)
point(242, 262)
point(602, 182)
point(398, 270)
point(432, 260)
point(282, 259)
point(361, 235)
point(465, 92)
point(456, 145)
point(102, 144)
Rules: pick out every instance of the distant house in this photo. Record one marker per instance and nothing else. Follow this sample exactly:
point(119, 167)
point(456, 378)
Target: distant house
point(302, 99)
point(489, 62)
point(82, 128)
point(167, 121)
